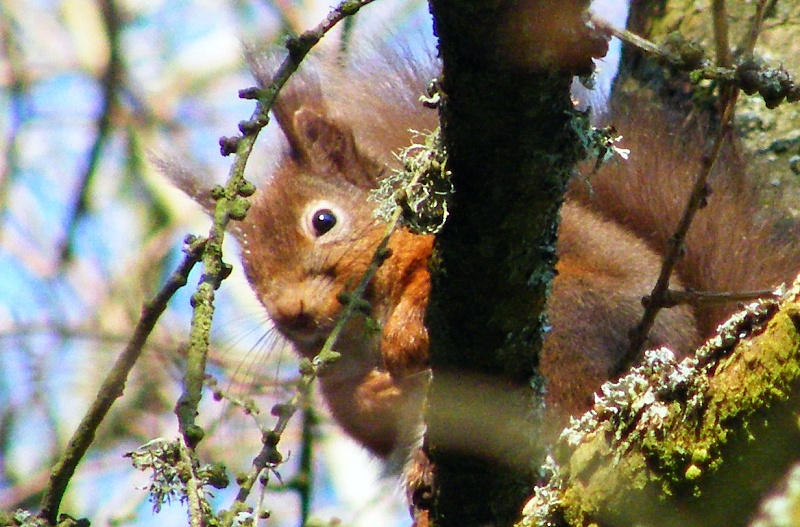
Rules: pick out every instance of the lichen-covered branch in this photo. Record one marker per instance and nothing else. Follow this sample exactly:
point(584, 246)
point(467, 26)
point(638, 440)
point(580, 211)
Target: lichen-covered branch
point(769, 132)
point(775, 85)
point(231, 204)
point(692, 443)
point(113, 385)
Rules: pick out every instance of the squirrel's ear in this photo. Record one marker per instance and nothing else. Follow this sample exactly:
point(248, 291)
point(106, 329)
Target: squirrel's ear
point(315, 138)
point(323, 140)
point(328, 146)
point(290, 102)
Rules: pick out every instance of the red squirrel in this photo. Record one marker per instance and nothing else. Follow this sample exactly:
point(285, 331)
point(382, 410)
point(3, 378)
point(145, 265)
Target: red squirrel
point(311, 234)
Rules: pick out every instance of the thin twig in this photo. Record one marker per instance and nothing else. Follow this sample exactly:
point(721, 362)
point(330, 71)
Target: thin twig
point(658, 298)
point(269, 457)
point(231, 204)
point(62, 331)
point(630, 37)
point(748, 43)
point(113, 385)
point(304, 480)
point(229, 197)
point(694, 298)
point(720, 18)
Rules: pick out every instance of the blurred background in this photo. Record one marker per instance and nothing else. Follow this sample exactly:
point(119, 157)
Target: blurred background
point(89, 231)
point(90, 90)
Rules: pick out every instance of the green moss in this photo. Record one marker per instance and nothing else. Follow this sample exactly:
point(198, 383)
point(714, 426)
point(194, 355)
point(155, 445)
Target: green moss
point(693, 472)
point(670, 432)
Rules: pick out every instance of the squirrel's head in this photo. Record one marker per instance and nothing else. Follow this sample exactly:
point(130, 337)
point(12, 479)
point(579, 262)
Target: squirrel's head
point(310, 233)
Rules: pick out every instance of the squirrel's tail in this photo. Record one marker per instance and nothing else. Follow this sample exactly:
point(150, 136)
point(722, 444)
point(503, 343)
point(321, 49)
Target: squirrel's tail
point(734, 244)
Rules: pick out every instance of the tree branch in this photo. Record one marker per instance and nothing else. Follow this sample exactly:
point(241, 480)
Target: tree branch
point(670, 444)
point(508, 130)
point(112, 77)
point(113, 385)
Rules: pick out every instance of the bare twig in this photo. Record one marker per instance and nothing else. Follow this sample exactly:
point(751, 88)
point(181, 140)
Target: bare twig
point(748, 43)
point(62, 331)
point(720, 17)
point(630, 37)
point(113, 385)
point(659, 297)
point(304, 479)
point(673, 298)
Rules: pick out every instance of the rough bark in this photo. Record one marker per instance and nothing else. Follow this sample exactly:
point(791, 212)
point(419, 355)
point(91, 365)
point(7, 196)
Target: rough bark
point(511, 144)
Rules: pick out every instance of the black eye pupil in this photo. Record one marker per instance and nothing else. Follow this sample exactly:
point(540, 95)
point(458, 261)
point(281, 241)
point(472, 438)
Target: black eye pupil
point(323, 221)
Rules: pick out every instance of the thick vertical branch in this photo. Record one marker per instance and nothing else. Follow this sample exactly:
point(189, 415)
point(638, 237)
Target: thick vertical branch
point(507, 127)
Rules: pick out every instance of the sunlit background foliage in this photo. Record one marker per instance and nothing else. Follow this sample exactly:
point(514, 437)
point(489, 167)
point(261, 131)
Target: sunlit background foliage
point(89, 90)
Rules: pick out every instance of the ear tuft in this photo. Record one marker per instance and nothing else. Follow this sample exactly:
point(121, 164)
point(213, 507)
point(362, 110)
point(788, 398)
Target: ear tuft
point(316, 138)
point(188, 178)
point(194, 181)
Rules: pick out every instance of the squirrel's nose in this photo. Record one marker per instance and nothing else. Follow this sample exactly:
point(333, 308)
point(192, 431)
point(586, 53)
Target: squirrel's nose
point(290, 314)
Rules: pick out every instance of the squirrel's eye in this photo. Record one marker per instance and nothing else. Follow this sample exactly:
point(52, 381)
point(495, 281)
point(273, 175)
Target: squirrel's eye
point(323, 221)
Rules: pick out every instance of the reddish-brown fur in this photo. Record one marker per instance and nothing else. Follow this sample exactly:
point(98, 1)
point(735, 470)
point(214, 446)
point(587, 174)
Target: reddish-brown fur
point(615, 229)
point(614, 232)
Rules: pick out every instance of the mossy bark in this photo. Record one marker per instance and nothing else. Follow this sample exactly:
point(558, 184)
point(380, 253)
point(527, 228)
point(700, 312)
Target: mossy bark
point(725, 432)
point(507, 68)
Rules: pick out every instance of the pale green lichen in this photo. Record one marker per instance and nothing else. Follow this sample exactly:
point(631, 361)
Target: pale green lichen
point(544, 507)
point(421, 188)
point(693, 472)
point(601, 144)
point(169, 474)
point(635, 406)
point(23, 518)
point(667, 424)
